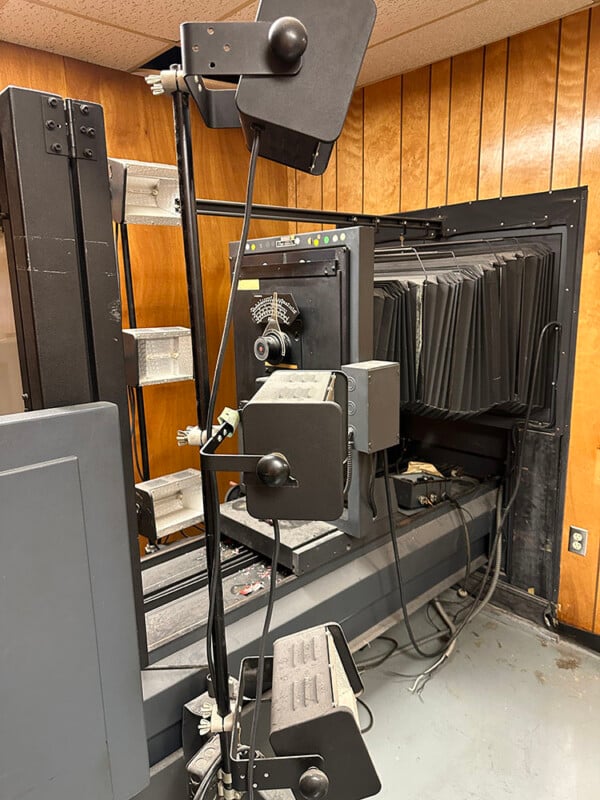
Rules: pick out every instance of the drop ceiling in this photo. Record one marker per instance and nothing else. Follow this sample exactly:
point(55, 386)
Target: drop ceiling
point(125, 34)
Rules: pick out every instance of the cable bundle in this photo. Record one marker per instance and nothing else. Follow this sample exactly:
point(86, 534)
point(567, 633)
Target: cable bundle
point(464, 330)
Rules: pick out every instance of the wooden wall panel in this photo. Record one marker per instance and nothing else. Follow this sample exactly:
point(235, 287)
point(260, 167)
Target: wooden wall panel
point(570, 92)
point(415, 136)
point(349, 165)
point(309, 194)
point(465, 127)
point(492, 120)
point(382, 147)
point(439, 133)
point(33, 69)
point(579, 576)
point(530, 104)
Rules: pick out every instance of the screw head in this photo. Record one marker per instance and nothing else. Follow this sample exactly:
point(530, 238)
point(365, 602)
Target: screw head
point(82, 129)
point(91, 132)
point(50, 124)
point(57, 147)
point(85, 110)
point(52, 102)
point(87, 152)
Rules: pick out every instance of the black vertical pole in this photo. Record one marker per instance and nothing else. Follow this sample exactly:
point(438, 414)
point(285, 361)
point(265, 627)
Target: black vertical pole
point(189, 224)
point(139, 392)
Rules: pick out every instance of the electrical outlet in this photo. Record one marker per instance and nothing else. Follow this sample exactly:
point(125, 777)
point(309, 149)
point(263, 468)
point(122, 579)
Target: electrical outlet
point(578, 540)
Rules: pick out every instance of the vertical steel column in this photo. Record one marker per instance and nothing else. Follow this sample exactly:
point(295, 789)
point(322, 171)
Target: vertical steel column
point(139, 392)
point(189, 224)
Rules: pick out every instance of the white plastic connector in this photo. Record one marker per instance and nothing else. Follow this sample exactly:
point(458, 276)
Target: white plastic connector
point(231, 417)
point(193, 436)
point(168, 81)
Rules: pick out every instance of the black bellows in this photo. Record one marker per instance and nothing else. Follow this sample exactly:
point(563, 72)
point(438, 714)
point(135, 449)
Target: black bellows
point(465, 329)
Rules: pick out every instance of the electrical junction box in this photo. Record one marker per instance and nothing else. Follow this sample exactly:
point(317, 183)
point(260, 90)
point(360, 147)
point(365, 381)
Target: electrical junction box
point(157, 355)
point(418, 489)
point(169, 504)
point(374, 404)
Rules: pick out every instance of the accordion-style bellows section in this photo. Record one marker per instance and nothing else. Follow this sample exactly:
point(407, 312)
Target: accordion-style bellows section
point(465, 329)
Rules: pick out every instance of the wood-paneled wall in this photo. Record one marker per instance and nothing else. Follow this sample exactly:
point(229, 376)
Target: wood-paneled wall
point(139, 126)
point(520, 115)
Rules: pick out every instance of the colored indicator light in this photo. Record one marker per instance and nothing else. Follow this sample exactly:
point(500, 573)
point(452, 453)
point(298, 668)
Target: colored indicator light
point(252, 247)
point(309, 241)
point(326, 239)
point(316, 242)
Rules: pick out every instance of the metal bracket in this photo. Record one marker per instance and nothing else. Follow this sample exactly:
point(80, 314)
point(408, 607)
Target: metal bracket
point(70, 128)
point(85, 120)
point(235, 462)
point(283, 772)
point(55, 126)
point(228, 49)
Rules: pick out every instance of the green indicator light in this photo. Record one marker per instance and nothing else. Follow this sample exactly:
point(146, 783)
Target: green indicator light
point(326, 239)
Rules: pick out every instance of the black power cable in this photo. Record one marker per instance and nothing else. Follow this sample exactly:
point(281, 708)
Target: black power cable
point(260, 672)
point(217, 376)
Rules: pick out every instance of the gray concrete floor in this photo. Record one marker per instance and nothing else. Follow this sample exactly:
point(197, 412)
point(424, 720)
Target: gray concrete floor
point(514, 713)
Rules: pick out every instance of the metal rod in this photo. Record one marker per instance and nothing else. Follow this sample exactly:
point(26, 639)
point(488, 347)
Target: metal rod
point(139, 392)
point(224, 208)
point(189, 224)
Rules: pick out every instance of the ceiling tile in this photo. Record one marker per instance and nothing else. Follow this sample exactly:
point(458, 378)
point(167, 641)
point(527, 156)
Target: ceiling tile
point(394, 17)
point(44, 28)
point(150, 17)
point(486, 22)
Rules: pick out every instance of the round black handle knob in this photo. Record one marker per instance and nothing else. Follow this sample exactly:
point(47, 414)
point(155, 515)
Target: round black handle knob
point(268, 348)
point(273, 470)
point(288, 39)
point(314, 784)
point(272, 347)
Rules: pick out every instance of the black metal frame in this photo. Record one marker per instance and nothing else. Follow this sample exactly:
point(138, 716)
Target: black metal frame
point(406, 227)
point(524, 218)
point(55, 203)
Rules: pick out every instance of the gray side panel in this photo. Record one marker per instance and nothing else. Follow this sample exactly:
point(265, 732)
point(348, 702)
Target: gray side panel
point(87, 436)
point(48, 658)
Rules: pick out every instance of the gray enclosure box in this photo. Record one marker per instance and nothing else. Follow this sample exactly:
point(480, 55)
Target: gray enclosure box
point(374, 404)
point(71, 715)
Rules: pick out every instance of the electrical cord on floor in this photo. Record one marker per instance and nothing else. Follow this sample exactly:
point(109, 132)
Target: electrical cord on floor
point(260, 672)
point(496, 551)
point(219, 369)
point(371, 721)
point(411, 635)
point(465, 528)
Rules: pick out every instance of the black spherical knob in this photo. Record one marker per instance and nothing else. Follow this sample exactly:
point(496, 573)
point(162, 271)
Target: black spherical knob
point(288, 39)
point(273, 470)
point(314, 784)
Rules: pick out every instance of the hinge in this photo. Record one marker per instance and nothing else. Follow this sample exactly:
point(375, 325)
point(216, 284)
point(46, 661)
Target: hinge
point(70, 127)
point(84, 120)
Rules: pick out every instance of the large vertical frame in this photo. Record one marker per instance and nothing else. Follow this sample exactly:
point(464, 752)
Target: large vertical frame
point(56, 214)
